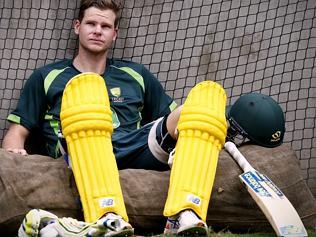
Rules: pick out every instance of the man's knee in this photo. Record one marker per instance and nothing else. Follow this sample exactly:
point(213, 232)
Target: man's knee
point(172, 122)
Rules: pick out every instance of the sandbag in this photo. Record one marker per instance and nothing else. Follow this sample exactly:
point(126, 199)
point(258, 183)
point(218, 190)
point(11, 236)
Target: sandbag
point(41, 182)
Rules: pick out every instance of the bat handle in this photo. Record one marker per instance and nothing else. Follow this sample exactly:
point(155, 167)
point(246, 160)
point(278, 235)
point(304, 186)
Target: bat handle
point(238, 157)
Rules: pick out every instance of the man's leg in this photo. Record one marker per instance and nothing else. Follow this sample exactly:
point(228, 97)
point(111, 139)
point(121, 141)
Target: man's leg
point(86, 121)
point(201, 134)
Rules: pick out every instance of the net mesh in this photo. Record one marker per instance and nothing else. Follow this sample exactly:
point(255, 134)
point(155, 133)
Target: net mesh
point(245, 45)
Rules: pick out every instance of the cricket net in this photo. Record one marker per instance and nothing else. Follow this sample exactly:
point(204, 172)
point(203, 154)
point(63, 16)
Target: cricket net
point(266, 46)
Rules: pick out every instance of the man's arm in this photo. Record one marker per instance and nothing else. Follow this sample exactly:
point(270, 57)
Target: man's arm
point(15, 138)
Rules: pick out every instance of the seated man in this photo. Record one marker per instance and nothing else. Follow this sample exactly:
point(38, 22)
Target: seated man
point(255, 105)
point(114, 115)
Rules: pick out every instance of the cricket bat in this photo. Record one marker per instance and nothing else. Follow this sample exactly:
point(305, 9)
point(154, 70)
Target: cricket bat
point(273, 203)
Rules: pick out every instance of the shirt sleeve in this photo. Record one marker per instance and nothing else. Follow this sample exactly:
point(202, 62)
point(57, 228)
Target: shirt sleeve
point(156, 102)
point(32, 103)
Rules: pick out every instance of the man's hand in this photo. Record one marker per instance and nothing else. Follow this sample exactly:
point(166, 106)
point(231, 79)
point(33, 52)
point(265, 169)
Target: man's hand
point(17, 151)
point(15, 138)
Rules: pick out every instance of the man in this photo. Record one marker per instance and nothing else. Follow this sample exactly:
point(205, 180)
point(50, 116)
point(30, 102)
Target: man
point(92, 95)
point(144, 120)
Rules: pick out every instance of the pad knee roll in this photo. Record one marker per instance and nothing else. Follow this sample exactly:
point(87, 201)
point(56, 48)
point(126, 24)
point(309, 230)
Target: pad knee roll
point(202, 131)
point(86, 121)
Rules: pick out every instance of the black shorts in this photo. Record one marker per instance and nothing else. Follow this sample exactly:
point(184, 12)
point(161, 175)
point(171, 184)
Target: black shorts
point(140, 149)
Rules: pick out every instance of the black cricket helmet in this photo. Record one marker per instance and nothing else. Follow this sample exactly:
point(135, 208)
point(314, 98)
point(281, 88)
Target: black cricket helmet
point(256, 117)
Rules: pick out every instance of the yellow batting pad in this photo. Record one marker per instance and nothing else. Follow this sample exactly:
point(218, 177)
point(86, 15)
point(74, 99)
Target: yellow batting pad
point(202, 131)
point(86, 121)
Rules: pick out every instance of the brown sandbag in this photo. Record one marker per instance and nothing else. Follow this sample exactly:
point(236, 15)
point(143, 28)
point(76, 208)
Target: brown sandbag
point(42, 182)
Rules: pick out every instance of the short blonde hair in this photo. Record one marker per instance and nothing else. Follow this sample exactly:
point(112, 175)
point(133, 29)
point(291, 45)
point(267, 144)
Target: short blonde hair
point(115, 6)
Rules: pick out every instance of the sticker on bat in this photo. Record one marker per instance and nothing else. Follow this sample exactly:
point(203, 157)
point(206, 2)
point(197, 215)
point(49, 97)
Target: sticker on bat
point(253, 181)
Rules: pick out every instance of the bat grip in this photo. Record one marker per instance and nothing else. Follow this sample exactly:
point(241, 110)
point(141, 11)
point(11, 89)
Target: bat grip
point(238, 157)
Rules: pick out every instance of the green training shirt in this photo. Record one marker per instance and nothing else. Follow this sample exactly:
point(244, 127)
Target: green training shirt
point(136, 98)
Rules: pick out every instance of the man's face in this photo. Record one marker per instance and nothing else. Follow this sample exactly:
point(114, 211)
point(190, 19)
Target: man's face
point(96, 30)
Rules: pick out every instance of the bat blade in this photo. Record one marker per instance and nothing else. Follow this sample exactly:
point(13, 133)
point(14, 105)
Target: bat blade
point(271, 200)
point(274, 204)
